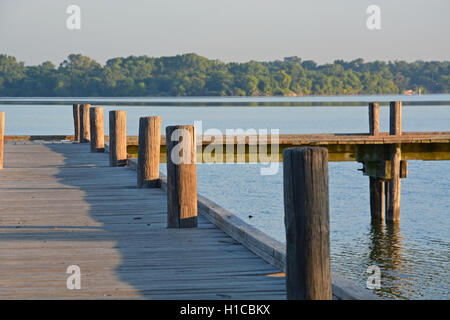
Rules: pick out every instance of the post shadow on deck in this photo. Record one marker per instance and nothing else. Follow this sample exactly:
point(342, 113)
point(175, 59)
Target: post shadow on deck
point(307, 222)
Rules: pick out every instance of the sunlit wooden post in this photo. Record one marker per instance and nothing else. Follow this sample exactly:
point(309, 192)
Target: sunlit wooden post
point(149, 152)
point(97, 129)
point(181, 177)
point(307, 223)
point(117, 138)
point(85, 133)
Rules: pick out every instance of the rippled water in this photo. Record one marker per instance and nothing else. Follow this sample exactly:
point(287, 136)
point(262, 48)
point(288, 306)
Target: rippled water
point(413, 256)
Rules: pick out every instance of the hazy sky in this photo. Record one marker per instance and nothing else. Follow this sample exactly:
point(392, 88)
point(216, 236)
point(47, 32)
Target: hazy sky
point(231, 30)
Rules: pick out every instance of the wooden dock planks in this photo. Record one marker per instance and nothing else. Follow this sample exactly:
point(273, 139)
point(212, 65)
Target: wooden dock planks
point(61, 205)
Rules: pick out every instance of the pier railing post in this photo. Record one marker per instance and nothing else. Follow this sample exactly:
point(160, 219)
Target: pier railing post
point(85, 133)
point(374, 119)
point(149, 152)
point(376, 186)
point(117, 138)
point(2, 137)
point(395, 118)
point(97, 129)
point(394, 185)
point(306, 207)
point(76, 122)
point(181, 177)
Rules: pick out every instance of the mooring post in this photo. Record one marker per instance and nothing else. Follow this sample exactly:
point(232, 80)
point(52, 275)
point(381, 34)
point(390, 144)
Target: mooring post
point(394, 185)
point(117, 138)
point(306, 209)
point(85, 133)
point(2, 137)
point(76, 122)
point(376, 186)
point(374, 119)
point(149, 152)
point(181, 177)
point(97, 129)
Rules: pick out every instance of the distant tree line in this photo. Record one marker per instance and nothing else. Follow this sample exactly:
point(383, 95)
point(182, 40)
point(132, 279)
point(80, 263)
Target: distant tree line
point(193, 75)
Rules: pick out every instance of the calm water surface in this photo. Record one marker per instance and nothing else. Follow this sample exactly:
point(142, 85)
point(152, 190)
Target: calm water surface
point(413, 256)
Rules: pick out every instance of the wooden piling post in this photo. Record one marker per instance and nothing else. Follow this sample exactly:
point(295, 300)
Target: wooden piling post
point(395, 118)
point(149, 152)
point(306, 207)
point(97, 129)
point(85, 133)
point(2, 137)
point(76, 122)
point(117, 138)
point(181, 177)
point(374, 119)
point(393, 208)
point(376, 198)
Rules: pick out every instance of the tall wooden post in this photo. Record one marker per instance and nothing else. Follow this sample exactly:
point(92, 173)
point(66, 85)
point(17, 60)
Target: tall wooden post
point(376, 186)
point(395, 118)
point(306, 209)
point(393, 209)
point(149, 152)
point(374, 119)
point(76, 122)
point(117, 138)
point(85, 133)
point(97, 129)
point(394, 186)
point(181, 177)
point(2, 137)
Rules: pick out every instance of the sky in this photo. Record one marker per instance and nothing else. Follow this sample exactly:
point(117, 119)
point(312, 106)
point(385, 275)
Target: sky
point(35, 31)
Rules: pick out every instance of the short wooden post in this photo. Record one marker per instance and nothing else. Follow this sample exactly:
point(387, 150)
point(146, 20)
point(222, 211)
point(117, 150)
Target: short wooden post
point(181, 177)
point(374, 119)
point(85, 133)
point(117, 138)
point(76, 122)
point(393, 209)
point(376, 198)
point(306, 209)
point(149, 152)
point(97, 129)
point(395, 118)
point(2, 137)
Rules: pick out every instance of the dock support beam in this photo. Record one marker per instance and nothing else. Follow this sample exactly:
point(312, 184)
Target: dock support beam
point(2, 137)
point(76, 122)
point(181, 177)
point(393, 200)
point(374, 119)
point(376, 198)
point(306, 207)
point(85, 133)
point(117, 138)
point(149, 152)
point(97, 129)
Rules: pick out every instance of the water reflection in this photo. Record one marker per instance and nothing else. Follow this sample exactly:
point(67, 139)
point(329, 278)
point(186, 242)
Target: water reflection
point(386, 251)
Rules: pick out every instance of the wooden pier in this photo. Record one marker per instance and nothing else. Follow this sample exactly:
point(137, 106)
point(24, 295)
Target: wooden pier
point(141, 235)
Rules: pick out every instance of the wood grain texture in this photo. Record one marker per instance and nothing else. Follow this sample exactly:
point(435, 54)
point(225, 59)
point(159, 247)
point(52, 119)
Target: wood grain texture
point(374, 118)
point(393, 201)
point(306, 203)
point(117, 138)
point(85, 133)
point(181, 177)
point(97, 129)
point(76, 122)
point(149, 152)
point(395, 118)
point(73, 209)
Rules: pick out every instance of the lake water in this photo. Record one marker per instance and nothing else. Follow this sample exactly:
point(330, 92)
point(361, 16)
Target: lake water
point(413, 256)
